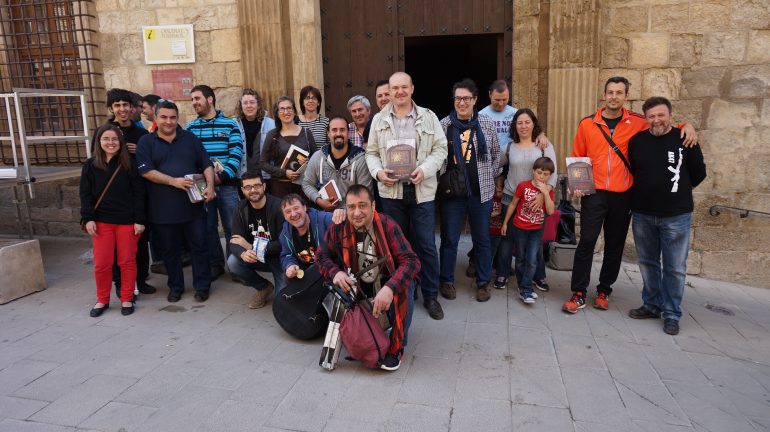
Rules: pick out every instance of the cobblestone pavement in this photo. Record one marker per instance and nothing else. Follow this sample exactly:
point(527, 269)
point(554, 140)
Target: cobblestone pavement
point(495, 366)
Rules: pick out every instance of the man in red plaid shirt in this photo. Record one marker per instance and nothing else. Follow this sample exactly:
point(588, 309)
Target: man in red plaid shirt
point(365, 237)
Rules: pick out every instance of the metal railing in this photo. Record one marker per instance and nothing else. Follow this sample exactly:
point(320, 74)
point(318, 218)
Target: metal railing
point(716, 210)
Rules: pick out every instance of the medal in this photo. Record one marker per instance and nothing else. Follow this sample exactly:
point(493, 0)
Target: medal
point(300, 274)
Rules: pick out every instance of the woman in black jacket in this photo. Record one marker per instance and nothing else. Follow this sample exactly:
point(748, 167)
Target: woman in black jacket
point(112, 211)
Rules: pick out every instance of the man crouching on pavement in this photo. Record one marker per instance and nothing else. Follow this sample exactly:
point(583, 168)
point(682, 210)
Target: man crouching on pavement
point(364, 238)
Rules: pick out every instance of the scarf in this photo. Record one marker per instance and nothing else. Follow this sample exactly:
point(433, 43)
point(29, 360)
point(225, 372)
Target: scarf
point(456, 126)
point(350, 252)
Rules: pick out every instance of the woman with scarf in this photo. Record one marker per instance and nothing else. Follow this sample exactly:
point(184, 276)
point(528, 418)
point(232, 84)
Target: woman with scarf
point(474, 152)
point(112, 211)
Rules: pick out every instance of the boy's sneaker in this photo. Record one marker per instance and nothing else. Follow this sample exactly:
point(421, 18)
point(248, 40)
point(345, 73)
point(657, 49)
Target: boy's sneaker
point(575, 303)
point(541, 284)
point(531, 293)
point(602, 301)
point(391, 362)
point(527, 298)
point(501, 282)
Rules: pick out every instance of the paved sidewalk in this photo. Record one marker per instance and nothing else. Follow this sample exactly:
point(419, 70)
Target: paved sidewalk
point(495, 366)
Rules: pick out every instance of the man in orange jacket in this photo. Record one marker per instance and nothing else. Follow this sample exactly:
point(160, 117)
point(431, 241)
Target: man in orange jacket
point(610, 208)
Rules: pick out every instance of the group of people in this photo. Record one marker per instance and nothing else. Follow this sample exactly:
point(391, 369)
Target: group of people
point(299, 189)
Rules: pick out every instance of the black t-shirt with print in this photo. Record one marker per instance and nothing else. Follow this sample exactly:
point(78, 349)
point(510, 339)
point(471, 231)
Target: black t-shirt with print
point(612, 123)
point(468, 147)
point(305, 245)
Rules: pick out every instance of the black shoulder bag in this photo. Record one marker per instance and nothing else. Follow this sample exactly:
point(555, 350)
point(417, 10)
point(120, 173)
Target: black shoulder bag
point(451, 184)
point(614, 147)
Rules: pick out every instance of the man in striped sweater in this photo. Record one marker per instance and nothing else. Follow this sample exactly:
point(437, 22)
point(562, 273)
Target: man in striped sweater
point(223, 142)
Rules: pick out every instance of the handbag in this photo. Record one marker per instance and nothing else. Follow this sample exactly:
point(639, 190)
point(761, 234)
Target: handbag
point(363, 337)
point(298, 308)
point(452, 184)
point(99, 201)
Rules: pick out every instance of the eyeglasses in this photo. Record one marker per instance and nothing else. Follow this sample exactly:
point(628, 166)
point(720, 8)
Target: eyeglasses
point(311, 98)
point(286, 109)
point(465, 99)
point(252, 187)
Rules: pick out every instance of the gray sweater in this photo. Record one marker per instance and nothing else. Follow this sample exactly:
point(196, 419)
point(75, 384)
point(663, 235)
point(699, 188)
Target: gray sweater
point(320, 169)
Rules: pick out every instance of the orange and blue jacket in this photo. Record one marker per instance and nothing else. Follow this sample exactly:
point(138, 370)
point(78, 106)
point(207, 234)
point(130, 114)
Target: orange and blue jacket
point(610, 173)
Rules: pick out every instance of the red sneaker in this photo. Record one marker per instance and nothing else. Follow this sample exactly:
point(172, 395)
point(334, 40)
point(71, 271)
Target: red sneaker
point(602, 301)
point(575, 303)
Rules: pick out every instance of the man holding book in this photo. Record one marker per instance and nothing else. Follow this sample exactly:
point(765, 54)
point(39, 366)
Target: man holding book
point(331, 171)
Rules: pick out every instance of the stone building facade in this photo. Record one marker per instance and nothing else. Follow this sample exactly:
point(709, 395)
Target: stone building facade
point(711, 58)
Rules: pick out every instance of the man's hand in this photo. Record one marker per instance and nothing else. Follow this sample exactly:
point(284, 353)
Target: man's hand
point(326, 204)
point(138, 229)
point(217, 180)
point(342, 280)
point(339, 216)
point(417, 176)
point(576, 194)
point(249, 256)
point(689, 135)
point(541, 141)
point(384, 177)
point(240, 241)
point(131, 148)
point(291, 271)
point(181, 183)
point(209, 193)
point(382, 301)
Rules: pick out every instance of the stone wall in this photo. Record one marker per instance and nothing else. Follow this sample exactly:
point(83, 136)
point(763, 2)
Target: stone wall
point(712, 59)
point(217, 45)
point(55, 210)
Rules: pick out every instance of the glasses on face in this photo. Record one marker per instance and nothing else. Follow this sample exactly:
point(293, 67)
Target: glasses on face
point(465, 99)
point(311, 98)
point(285, 109)
point(252, 187)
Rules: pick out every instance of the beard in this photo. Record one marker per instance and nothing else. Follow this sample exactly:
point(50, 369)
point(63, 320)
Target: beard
point(660, 129)
point(339, 144)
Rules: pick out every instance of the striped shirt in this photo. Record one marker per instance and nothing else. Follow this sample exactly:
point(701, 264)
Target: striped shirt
point(318, 129)
point(222, 140)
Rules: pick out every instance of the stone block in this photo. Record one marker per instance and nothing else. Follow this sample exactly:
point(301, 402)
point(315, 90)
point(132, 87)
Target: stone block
point(759, 47)
point(112, 22)
point(53, 214)
point(211, 74)
point(724, 48)
point(648, 50)
point(203, 47)
point(765, 116)
point(689, 111)
point(116, 77)
point(727, 239)
point(109, 49)
point(227, 100)
point(633, 75)
point(728, 114)
point(131, 49)
point(701, 83)
point(228, 16)
point(668, 17)
point(751, 14)
point(694, 263)
point(225, 45)
point(235, 74)
point(525, 30)
point(141, 79)
point(623, 20)
point(708, 16)
point(614, 52)
point(151, 4)
point(205, 18)
point(724, 264)
point(70, 192)
point(750, 81)
point(106, 5)
point(526, 7)
point(66, 229)
point(661, 82)
point(685, 50)
point(21, 269)
point(168, 16)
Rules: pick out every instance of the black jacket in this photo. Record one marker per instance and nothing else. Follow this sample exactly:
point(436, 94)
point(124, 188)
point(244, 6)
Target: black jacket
point(240, 226)
point(123, 203)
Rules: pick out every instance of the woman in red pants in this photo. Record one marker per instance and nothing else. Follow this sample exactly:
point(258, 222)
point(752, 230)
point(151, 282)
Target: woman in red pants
point(112, 208)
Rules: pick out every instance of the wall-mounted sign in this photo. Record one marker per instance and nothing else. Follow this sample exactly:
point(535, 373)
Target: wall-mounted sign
point(169, 44)
point(172, 84)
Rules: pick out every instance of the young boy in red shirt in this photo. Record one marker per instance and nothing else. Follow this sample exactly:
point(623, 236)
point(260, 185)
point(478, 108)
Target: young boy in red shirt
point(528, 224)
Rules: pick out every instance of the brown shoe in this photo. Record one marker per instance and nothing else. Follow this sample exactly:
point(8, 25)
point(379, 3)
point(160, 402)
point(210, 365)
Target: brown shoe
point(448, 290)
point(260, 298)
point(482, 293)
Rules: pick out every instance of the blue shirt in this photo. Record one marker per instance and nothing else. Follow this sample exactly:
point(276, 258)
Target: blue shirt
point(502, 124)
point(183, 155)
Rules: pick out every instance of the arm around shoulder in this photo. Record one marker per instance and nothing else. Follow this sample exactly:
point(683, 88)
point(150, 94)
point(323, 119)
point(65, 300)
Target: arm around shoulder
point(695, 165)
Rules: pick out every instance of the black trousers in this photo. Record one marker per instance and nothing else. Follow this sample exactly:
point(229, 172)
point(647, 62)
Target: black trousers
point(611, 211)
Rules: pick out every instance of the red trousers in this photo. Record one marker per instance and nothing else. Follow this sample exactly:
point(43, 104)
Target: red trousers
point(109, 237)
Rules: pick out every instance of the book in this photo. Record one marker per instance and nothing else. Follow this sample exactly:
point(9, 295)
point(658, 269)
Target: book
point(195, 192)
point(295, 158)
point(401, 158)
point(580, 175)
point(330, 192)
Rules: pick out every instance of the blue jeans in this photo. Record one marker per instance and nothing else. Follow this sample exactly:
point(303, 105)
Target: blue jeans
point(667, 240)
point(453, 213)
point(418, 222)
point(248, 272)
point(528, 245)
point(225, 203)
point(409, 312)
point(171, 238)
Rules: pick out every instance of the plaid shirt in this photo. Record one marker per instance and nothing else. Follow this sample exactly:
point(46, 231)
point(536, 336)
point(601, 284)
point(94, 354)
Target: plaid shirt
point(488, 169)
point(329, 259)
point(354, 137)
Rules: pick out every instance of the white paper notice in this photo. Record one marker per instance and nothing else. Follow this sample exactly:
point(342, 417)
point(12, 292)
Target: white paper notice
point(179, 47)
